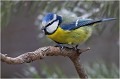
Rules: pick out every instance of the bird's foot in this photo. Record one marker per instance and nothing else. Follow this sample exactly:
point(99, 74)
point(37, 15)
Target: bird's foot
point(76, 48)
point(60, 46)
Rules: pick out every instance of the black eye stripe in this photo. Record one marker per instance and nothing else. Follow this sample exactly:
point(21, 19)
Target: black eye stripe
point(50, 23)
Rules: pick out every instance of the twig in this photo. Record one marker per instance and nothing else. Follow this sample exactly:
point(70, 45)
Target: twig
point(48, 51)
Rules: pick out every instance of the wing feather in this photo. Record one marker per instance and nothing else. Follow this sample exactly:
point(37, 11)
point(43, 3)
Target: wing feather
point(78, 23)
point(82, 22)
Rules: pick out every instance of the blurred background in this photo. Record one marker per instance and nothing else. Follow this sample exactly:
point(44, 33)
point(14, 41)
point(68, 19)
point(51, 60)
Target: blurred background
point(20, 33)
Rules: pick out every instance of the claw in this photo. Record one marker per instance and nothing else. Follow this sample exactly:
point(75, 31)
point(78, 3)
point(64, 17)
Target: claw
point(76, 47)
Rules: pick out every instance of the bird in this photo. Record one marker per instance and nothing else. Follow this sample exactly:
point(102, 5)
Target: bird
point(73, 32)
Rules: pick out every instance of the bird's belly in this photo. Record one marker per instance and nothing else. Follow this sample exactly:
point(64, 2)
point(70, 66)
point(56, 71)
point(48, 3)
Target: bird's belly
point(77, 36)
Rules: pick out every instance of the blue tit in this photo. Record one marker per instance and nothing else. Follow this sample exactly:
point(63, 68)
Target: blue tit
point(72, 33)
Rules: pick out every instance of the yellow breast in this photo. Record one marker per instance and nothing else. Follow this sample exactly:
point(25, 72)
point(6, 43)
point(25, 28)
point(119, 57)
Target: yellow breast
point(71, 37)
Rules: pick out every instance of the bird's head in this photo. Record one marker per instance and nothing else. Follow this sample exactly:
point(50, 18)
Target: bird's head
point(51, 22)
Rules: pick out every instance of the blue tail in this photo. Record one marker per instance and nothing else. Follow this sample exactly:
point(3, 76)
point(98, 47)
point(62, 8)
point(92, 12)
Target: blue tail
point(102, 20)
point(107, 19)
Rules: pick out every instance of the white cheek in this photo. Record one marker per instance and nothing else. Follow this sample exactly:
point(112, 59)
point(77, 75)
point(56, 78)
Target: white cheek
point(51, 28)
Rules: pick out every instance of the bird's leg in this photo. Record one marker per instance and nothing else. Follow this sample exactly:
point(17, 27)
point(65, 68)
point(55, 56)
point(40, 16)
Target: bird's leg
point(75, 48)
point(60, 46)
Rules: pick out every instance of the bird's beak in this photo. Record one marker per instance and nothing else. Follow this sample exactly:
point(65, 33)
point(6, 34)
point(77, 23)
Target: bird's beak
point(42, 28)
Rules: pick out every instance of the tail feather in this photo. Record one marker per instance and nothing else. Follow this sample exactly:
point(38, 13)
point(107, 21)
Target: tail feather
point(107, 19)
point(102, 20)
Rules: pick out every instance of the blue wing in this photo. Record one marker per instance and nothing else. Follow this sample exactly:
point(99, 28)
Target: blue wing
point(78, 23)
point(82, 22)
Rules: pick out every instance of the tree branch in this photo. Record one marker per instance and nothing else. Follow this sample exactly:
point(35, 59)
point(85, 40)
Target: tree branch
point(48, 51)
